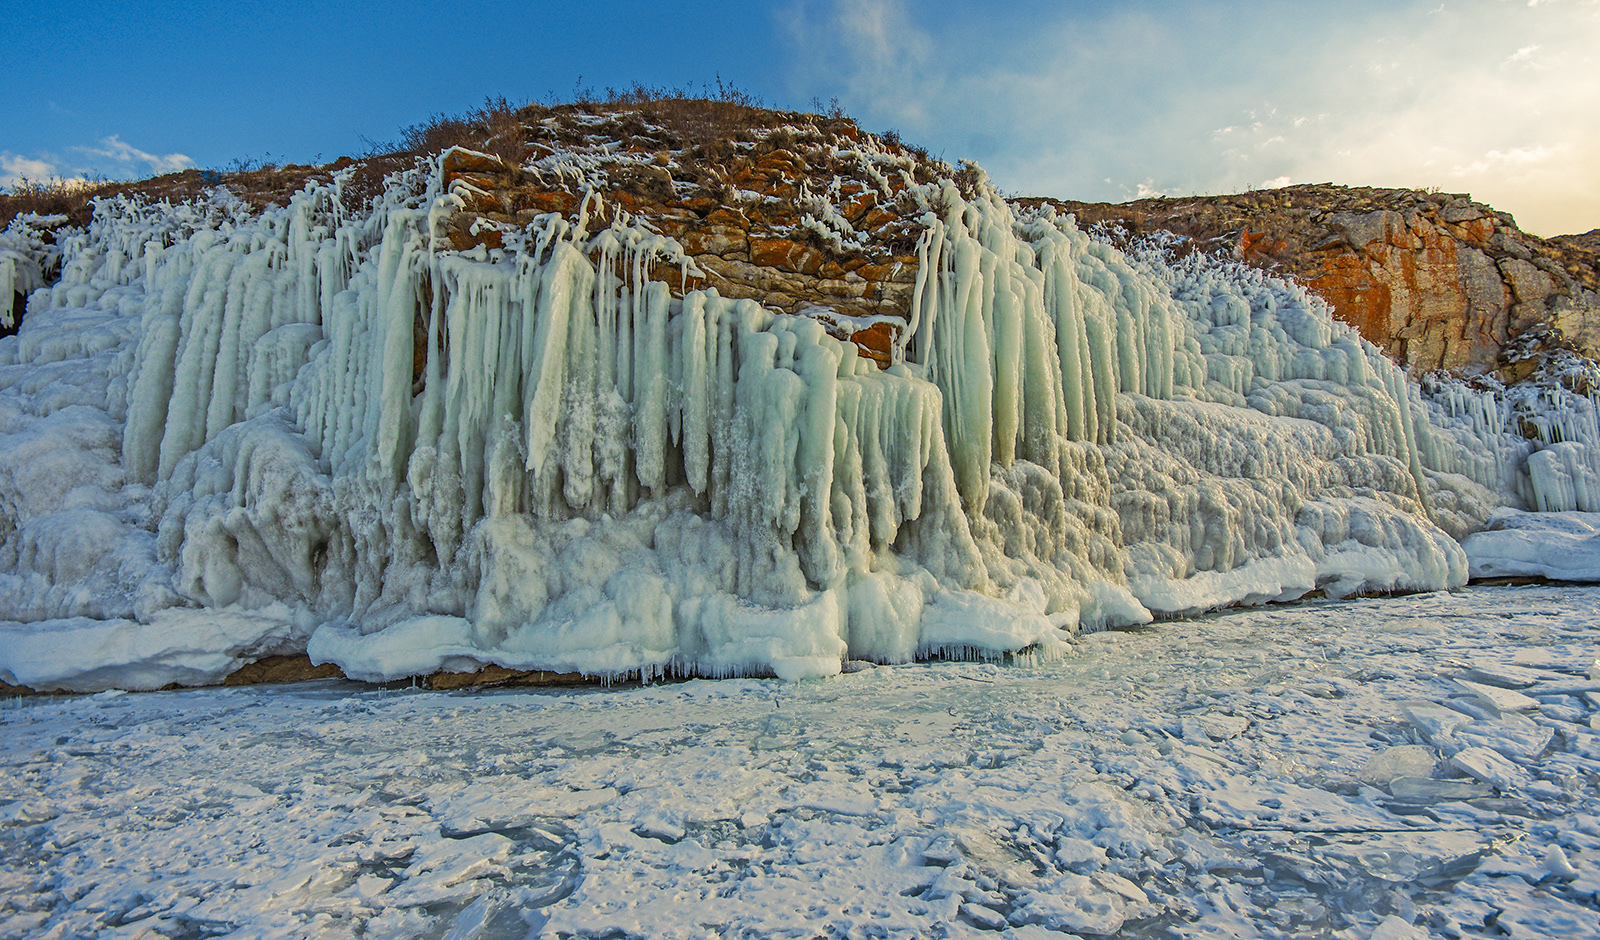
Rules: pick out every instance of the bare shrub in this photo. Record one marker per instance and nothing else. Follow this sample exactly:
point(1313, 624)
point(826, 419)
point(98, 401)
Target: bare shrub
point(966, 179)
point(496, 128)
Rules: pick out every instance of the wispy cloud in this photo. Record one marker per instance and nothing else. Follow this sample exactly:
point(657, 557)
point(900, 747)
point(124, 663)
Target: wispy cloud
point(113, 148)
point(874, 50)
point(112, 158)
point(1490, 97)
point(1525, 54)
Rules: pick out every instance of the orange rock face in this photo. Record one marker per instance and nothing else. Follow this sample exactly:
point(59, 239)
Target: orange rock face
point(786, 254)
point(876, 340)
point(1435, 280)
point(1426, 290)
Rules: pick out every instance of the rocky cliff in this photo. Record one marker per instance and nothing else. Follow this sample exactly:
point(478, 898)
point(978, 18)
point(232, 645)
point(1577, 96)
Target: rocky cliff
point(1434, 279)
point(527, 399)
point(767, 210)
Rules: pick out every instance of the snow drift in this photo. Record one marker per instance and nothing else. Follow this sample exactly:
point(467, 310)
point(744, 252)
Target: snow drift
point(226, 435)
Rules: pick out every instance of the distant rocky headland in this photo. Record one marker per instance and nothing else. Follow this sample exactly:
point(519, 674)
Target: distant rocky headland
point(1435, 280)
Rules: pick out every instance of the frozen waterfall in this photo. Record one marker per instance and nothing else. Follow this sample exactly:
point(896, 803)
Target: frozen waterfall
point(231, 435)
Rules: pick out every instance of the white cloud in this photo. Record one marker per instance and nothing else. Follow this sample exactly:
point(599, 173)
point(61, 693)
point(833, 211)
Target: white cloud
point(113, 158)
point(1525, 54)
point(1504, 161)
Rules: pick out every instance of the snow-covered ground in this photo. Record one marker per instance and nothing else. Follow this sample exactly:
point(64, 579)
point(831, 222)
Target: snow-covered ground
point(1401, 767)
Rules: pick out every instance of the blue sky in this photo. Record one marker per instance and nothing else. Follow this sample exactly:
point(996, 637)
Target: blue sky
point(1102, 101)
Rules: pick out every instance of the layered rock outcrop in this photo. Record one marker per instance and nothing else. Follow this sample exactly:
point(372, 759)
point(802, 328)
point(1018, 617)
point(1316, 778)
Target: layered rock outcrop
point(1434, 279)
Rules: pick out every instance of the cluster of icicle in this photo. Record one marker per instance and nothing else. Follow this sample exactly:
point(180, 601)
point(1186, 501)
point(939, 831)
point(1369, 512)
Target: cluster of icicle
point(1542, 436)
point(24, 259)
point(538, 457)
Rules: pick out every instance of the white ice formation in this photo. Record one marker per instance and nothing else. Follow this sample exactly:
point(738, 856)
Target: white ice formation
point(24, 259)
point(227, 435)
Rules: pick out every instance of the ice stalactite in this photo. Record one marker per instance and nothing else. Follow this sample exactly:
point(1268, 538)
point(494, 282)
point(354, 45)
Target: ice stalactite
point(415, 458)
point(504, 440)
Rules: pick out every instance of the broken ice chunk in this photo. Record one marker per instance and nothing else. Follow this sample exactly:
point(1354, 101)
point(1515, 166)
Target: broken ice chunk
point(1555, 861)
point(1438, 723)
point(1120, 885)
point(1078, 854)
point(1428, 789)
point(1196, 728)
point(1492, 769)
point(987, 918)
point(1407, 760)
point(1506, 677)
point(1402, 857)
point(1559, 712)
point(941, 851)
point(1515, 736)
point(1501, 700)
point(655, 825)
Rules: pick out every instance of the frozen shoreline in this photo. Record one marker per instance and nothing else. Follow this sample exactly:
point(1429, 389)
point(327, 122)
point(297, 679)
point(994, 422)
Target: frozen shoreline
point(1414, 764)
point(183, 647)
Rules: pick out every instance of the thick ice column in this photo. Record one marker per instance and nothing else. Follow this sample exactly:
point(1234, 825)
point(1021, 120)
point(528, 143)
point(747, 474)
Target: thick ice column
point(695, 350)
point(150, 393)
point(651, 363)
point(816, 362)
point(1004, 306)
point(963, 369)
point(1064, 306)
point(561, 288)
point(246, 316)
point(200, 335)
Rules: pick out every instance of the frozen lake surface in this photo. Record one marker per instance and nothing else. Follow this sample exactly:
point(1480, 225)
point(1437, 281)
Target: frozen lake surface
point(1392, 768)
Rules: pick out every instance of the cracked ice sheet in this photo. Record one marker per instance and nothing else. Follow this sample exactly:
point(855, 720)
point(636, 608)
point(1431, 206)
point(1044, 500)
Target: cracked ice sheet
point(1215, 777)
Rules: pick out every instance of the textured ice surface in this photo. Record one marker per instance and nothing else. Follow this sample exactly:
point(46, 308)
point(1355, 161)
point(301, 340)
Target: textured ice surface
point(405, 458)
point(1228, 776)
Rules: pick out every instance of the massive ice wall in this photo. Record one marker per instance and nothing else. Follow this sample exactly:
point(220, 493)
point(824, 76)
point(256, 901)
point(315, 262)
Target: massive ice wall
point(231, 435)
